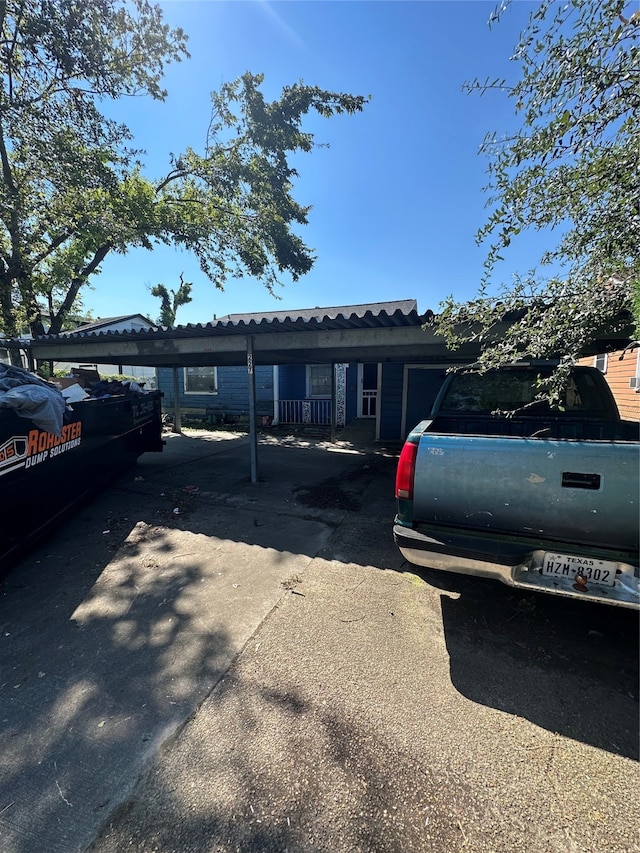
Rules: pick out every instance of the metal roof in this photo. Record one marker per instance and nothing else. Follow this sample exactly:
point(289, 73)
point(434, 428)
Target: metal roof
point(372, 332)
point(406, 306)
point(366, 316)
point(381, 331)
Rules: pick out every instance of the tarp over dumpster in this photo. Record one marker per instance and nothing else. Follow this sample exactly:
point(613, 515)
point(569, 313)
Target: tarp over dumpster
point(48, 464)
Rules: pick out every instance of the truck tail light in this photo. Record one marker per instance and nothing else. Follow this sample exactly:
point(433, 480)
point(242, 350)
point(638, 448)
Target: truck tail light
point(405, 471)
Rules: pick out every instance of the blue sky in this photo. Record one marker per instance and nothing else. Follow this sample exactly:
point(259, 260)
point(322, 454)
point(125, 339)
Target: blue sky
point(396, 198)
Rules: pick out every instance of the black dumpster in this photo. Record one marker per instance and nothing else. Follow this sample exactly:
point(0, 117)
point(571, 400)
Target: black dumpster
point(43, 475)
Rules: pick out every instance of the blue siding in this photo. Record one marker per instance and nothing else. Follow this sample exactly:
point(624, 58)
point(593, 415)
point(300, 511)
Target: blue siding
point(391, 402)
point(293, 381)
point(232, 398)
point(423, 385)
point(164, 383)
point(352, 393)
point(233, 391)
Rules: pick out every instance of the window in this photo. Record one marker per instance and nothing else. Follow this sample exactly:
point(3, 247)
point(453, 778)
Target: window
point(318, 380)
point(515, 390)
point(201, 380)
point(600, 362)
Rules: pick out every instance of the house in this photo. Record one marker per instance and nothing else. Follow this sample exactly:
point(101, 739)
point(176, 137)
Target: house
point(394, 395)
point(380, 362)
point(123, 323)
point(622, 372)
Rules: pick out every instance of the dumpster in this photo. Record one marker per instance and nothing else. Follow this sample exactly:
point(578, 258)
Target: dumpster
point(47, 469)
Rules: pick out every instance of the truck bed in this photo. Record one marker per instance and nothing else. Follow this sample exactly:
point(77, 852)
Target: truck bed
point(537, 497)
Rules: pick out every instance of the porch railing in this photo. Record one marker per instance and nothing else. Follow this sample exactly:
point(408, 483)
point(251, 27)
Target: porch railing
point(304, 411)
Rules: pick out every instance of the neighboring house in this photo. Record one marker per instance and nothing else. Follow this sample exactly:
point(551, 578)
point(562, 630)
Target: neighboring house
point(395, 395)
point(5, 353)
point(124, 323)
point(622, 372)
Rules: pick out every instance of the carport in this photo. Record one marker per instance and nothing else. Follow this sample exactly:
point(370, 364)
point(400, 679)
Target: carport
point(361, 334)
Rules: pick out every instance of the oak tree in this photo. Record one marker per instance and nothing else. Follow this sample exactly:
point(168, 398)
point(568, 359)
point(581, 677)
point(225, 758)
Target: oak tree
point(74, 188)
point(570, 170)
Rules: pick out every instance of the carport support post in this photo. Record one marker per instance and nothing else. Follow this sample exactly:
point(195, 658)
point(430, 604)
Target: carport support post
point(253, 433)
point(177, 420)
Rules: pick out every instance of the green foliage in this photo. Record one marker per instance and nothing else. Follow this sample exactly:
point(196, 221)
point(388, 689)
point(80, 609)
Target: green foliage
point(72, 189)
point(232, 205)
point(118, 377)
point(170, 301)
point(635, 296)
point(65, 167)
point(571, 170)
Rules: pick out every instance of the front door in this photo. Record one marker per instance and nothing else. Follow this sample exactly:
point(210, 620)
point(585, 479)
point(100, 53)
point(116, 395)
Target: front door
point(368, 390)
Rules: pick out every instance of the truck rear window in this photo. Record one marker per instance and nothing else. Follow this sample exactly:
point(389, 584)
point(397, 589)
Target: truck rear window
point(516, 391)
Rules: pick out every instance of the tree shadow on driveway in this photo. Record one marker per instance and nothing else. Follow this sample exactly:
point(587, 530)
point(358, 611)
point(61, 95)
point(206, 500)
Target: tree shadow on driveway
point(100, 664)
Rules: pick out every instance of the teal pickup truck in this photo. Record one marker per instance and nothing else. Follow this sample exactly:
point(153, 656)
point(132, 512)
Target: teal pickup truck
point(500, 485)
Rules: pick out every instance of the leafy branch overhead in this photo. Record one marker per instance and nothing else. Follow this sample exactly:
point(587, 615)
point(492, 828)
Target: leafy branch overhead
point(74, 188)
point(171, 300)
point(571, 171)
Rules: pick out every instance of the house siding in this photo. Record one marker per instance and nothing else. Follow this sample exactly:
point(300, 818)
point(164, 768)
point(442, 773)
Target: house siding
point(293, 386)
point(293, 382)
point(391, 402)
point(232, 398)
point(233, 392)
point(618, 373)
point(351, 393)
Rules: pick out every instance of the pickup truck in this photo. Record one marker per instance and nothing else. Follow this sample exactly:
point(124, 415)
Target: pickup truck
point(499, 484)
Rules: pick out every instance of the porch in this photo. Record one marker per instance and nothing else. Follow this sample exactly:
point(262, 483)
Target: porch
point(304, 412)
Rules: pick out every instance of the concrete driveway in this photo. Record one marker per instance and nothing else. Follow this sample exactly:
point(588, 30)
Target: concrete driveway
point(195, 663)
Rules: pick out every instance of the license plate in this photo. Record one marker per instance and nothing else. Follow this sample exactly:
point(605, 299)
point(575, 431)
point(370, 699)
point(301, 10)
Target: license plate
point(601, 572)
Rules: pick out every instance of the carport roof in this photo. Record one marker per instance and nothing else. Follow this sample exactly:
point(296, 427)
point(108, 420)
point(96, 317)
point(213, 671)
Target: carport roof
point(372, 332)
point(380, 331)
point(370, 315)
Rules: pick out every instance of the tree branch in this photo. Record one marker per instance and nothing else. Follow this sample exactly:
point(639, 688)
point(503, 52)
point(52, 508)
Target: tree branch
point(74, 288)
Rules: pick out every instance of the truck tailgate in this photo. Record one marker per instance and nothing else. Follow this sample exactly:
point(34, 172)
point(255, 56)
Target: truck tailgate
point(572, 491)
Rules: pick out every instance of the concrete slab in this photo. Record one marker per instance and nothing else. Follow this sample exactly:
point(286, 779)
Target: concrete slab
point(117, 627)
point(198, 664)
point(361, 718)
